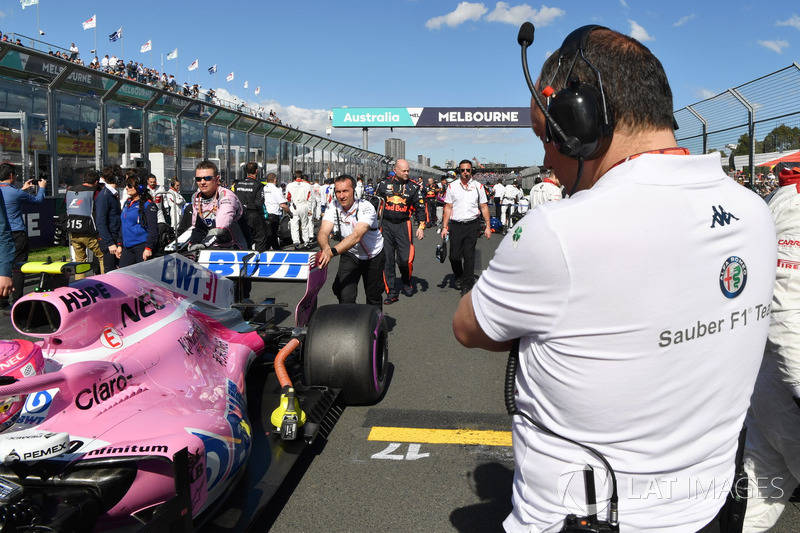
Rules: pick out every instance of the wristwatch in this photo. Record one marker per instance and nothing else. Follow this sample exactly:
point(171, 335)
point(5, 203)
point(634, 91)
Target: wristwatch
point(334, 251)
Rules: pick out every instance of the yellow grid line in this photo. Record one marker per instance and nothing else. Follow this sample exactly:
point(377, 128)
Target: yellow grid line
point(441, 436)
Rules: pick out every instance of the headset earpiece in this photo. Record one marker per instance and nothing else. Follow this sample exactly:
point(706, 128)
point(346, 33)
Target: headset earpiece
point(580, 108)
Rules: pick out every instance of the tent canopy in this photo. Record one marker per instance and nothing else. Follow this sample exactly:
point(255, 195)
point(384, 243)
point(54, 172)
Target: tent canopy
point(794, 157)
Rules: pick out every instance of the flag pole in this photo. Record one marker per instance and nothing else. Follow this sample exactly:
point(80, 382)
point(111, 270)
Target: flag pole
point(38, 28)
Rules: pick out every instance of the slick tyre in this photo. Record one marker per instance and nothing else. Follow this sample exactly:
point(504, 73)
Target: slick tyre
point(346, 348)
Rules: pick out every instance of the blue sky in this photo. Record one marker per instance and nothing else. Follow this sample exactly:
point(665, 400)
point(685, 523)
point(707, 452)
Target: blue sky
point(311, 56)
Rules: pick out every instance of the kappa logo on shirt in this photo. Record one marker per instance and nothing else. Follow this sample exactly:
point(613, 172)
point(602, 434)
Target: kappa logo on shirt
point(721, 217)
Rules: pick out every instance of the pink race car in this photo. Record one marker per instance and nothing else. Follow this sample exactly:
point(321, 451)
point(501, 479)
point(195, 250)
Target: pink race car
point(147, 393)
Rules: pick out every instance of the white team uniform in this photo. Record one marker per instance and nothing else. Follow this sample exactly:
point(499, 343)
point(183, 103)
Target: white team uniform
point(772, 457)
point(631, 345)
point(545, 191)
point(298, 194)
point(511, 196)
point(316, 200)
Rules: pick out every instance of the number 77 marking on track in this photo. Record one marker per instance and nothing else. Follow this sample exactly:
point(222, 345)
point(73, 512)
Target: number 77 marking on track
point(441, 436)
point(412, 454)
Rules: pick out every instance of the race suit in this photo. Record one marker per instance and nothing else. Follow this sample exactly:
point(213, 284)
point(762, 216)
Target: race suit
point(772, 454)
point(511, 196)
point(402, 198)
point(430, 204)
point(316, 200)
point(546, 191)
point(298, 194)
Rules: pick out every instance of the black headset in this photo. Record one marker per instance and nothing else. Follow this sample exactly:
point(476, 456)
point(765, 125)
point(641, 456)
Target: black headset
point(578, 119)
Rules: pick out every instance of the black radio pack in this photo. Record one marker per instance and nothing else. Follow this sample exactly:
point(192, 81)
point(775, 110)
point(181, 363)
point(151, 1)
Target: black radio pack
point(590, 523)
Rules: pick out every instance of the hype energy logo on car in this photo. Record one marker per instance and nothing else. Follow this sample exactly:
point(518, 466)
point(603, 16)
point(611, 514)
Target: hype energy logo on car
point(733, 277)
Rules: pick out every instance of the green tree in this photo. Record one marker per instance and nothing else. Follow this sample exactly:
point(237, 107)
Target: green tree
point(782, 138)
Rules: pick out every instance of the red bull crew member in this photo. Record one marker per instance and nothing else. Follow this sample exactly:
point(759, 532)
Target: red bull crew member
point(402, 197)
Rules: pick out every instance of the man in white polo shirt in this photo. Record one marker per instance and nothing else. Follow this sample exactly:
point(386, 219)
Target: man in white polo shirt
point(354, 223)
point(641, 304)
point(464, 205)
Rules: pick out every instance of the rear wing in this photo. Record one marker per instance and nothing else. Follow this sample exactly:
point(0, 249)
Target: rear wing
point(271, 266)
point(260, 266)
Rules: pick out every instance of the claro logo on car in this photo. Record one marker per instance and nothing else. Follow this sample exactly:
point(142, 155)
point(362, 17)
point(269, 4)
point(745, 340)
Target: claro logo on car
point(75, 300)
point(103, 391)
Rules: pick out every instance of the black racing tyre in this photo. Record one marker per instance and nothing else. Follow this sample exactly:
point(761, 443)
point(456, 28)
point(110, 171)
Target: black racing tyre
point(346, 348)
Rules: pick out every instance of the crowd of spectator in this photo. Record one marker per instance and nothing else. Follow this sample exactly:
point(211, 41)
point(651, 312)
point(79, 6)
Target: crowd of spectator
point(137, 71)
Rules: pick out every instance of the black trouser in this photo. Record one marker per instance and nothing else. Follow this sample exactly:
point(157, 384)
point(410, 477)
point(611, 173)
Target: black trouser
point(351, 269)
point(132, 255)
point(463, 239)
point(110, 261)
point(258, 228)
point(21, 248)
point(273, 231)
point(398, 246)
point(430, 208)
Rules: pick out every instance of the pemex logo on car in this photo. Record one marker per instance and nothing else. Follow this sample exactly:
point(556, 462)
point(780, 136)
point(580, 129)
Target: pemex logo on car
point(733, 277)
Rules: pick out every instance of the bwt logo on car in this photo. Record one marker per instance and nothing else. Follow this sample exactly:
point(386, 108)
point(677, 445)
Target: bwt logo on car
point(103, 391)
point(180, 274)
point(264, 265)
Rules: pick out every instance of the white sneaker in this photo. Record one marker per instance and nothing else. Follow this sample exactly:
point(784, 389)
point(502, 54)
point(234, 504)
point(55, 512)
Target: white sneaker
point(438, 231)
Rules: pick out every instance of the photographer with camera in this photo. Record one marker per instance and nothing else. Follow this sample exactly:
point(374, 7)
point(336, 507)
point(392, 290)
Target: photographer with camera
point(353, 223)
point(13, 199)
point(649, 361)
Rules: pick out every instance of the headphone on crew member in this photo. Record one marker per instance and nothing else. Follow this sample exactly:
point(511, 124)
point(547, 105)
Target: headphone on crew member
point(579, 110)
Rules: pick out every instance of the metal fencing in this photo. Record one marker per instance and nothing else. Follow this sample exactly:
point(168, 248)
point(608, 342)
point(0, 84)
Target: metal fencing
point(746, 121)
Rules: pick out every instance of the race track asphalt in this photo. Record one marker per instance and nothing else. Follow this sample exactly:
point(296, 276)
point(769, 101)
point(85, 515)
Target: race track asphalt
point(384, 468)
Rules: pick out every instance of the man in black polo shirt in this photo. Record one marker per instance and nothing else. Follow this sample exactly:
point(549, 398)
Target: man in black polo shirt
point(250, 192)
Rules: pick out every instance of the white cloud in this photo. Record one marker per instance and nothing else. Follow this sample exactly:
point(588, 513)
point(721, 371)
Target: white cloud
point(777, 46)
point(464, 12)
point(639, 33)
point(519, 14)
point(794, 21)
point(705, 93)
point(2, 15)
point(623, 3)
point(684, 20)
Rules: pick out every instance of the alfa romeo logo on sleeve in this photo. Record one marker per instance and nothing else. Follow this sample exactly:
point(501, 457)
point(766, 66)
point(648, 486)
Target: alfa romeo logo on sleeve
point(733, 277)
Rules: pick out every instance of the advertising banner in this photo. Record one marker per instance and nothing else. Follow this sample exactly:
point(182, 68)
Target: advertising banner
point(431, 117)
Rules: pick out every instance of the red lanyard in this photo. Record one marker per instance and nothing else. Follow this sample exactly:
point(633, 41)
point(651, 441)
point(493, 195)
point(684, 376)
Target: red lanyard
point(675, 150)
